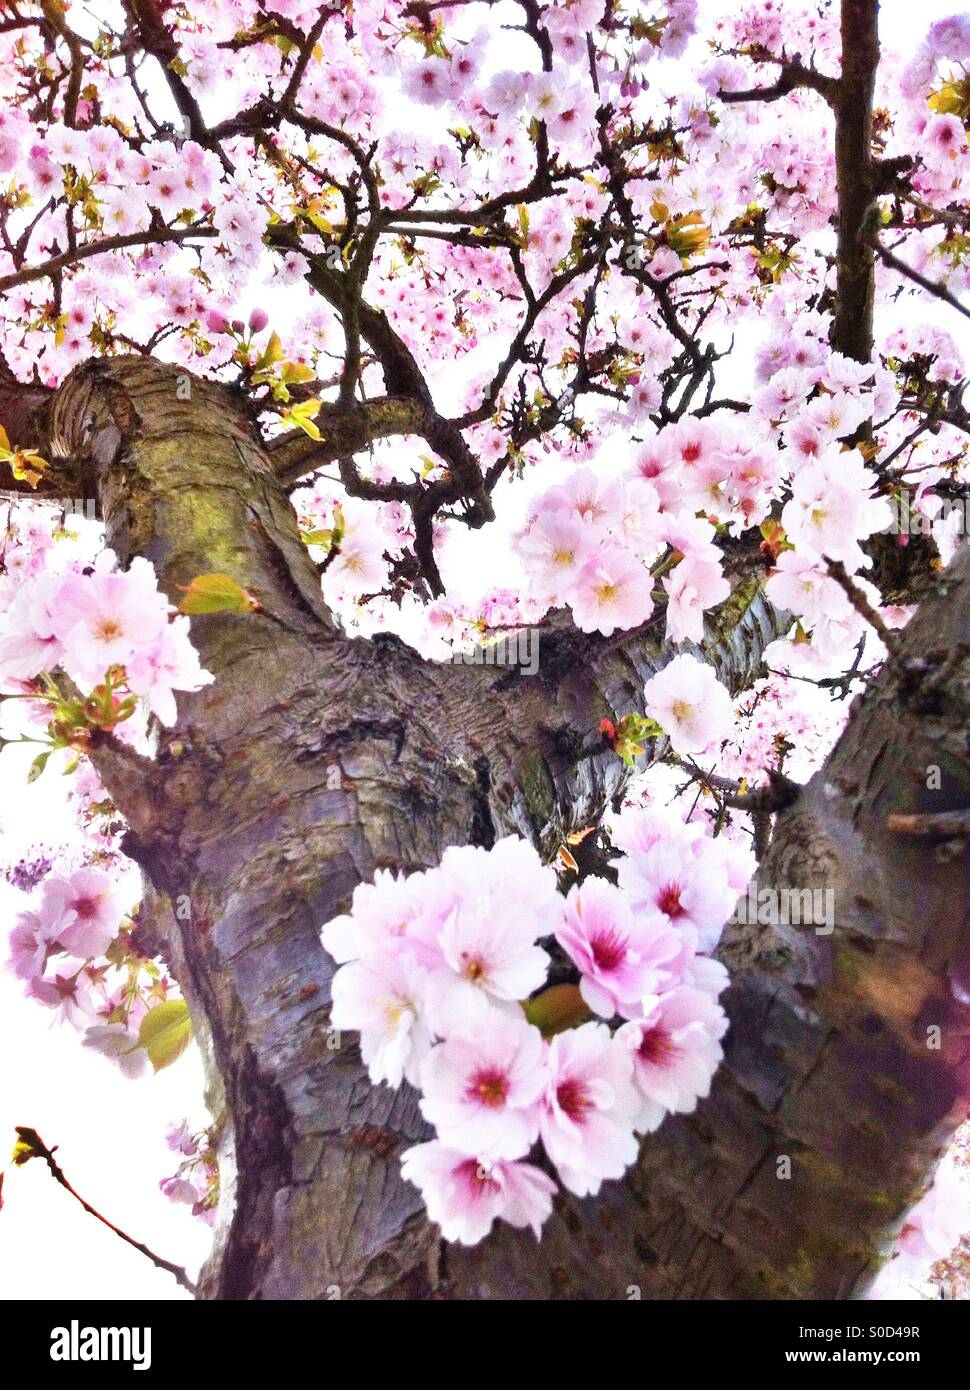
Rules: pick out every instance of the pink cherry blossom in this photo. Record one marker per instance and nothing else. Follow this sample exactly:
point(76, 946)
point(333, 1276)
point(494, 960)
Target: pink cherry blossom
point(29, 642)
point(672, 883)
point(488, 957)
point(466, 1195)
point(694, 585)
point(555, 549)
point(104, 618)
point(676, 1051)
point(621, 959)
point(690, 704)
point(90, 909)
point(115, 1041)
point(613, 590)
point(35, 933)
point(589, 1108)
point(481, 1092)
point(596, 499)
point(383, 1000)
point(382, 920)
point(69, 993)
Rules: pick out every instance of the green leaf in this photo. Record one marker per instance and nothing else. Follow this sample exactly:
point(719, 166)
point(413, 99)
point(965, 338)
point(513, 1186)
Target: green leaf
point(215, 593)
point(630, 733)
point(321, 538)
point(272, 352)
point(38, 765)
point(165, 1032)
point(557, 1008)
point(301, 416)
point(296, 371)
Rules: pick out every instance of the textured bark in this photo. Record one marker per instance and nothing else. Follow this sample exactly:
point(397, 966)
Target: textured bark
point(314, 759)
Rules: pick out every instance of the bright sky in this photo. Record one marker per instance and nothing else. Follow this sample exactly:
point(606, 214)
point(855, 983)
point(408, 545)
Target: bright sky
point(110, 1131)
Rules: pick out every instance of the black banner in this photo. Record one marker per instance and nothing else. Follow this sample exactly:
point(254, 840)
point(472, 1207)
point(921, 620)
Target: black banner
point(293, 1340)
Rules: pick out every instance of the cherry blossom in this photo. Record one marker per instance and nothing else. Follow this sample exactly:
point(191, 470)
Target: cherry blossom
point(613, 590)
point(690, 704)
point(466, 1195)
point(481, 268)
point(621, 958)
point(589, 1108)
point(676, 1050)
point(383, 999)
point(481, 1092)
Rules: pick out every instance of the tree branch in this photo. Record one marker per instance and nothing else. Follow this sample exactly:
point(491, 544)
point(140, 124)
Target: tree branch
point(932, 287)
point(794, 76)
point(31, 1145)
point(856, 179)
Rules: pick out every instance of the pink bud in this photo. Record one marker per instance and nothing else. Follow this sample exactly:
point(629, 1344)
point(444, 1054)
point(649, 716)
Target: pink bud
point(258, 320)
point(216, 322)
point(238, 326)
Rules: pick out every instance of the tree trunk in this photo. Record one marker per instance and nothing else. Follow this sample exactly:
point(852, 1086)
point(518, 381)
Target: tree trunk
point(315, 759)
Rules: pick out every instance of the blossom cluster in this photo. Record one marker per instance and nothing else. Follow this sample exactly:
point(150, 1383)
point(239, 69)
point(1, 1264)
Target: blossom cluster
point(587, 542)
point(89, 623)
point(74, 952)
point(195, 1183)
point(442, 973)
point(601, 541)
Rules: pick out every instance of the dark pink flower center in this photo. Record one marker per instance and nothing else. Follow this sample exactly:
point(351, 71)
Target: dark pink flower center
point(608, 950)
point(489, 1087)
point(669, 901)
point(656, 1047)
point(573, 1098)
point(477, 1176)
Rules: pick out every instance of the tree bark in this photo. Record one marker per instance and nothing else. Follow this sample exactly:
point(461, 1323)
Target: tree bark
point(315, 759)
point(855, 179)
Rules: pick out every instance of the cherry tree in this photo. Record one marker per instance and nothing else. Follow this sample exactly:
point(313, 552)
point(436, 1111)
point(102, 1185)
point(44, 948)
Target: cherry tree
point(388, 342)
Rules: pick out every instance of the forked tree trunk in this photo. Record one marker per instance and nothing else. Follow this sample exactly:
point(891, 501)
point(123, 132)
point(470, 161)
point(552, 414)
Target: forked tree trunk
point(315, 759)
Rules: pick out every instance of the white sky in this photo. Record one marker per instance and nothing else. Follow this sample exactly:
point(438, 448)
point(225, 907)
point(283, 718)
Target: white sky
point(110, 1131)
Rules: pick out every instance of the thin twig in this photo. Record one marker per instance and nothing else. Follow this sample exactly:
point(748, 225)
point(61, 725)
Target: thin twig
point(38, 1149)
point(861, 604)
point(932, 287)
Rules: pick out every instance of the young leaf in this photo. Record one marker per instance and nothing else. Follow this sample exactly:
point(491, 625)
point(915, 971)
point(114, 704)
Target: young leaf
point(296, 371)
point(38, 765)
point(301, 416)
point(557, 1008)
point(216, 593)
point(321, 538)
point(165, 1032)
